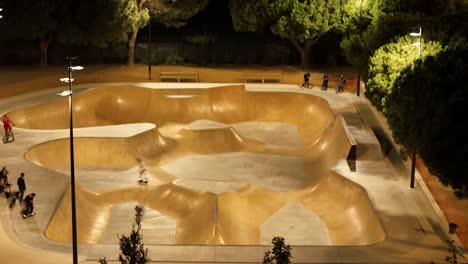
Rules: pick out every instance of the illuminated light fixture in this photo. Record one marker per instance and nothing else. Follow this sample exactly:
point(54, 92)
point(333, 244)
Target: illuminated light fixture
point(66, 80)
point(413, 158)
point(65, 93)
point(69, 93)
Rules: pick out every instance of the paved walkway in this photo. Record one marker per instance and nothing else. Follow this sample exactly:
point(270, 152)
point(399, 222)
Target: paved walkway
point(415, 228)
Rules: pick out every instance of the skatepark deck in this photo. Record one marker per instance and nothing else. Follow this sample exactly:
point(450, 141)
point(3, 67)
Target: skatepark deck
point(363, 210)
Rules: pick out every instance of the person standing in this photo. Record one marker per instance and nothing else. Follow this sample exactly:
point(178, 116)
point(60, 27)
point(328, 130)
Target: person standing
point(306, 83)
point(3, 178)
point(325, 82)
point(21, 186)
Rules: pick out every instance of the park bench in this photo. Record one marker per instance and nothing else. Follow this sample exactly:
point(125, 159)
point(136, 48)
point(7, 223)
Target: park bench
point(178, 76)
point(262, 77)
point(352, 155)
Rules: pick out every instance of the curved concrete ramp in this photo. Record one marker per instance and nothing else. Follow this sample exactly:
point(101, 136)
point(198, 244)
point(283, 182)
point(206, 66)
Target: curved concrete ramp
point(202, 217)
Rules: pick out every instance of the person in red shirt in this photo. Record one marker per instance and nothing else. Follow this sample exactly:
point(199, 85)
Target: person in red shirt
point(7, 125)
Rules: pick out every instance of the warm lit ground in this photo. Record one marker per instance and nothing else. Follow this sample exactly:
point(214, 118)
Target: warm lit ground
point(19, 80)
point(12, 83)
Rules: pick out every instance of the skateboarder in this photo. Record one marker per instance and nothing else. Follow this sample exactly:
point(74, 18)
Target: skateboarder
point(142, 169)
point(29, 205)
point(21, 187)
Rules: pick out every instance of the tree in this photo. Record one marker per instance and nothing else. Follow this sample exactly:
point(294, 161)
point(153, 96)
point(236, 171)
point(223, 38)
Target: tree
point(171, 13)
point(302, 22)
point(132, 248)
point(428, 105)
point(381, 22)
point(138, 16)
point(22, 19)
point(85, 22)
point(387, 63)
point(280, 254)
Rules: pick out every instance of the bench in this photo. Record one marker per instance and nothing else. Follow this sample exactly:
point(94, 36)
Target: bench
point(178, 76)
point(352, 154)
point(263, 77)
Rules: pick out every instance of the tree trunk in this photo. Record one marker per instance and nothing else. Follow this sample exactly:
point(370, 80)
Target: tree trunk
point(304, 49)
point(43, 48)
point(131, 48)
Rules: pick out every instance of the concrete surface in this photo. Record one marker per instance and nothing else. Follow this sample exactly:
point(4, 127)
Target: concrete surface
point(410, 231)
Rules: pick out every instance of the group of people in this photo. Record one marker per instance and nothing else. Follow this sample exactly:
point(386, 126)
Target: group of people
point(5, 186)
point(324, 86)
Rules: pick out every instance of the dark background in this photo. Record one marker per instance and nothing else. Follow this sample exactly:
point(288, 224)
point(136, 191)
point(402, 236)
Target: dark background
point(170, 46)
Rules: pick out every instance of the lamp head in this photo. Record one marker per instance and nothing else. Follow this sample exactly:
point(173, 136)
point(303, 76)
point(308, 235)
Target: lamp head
point(66, 80)
point(76, 68)
point(65, 93)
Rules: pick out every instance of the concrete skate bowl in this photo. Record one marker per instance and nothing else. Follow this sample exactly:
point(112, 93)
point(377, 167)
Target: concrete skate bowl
point(193, 125)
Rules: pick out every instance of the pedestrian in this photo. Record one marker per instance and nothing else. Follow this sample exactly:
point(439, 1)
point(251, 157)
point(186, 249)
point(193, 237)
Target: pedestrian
point(29, 205)
point(21, 186)
point(3, 178)
point(325, 82)
point(142, 169)
point(306, 80)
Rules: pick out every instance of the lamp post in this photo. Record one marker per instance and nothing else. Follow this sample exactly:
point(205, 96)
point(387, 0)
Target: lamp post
point(358, 85)
point(69, 93)
point(413, 160)
point(149, 41)
point(1, 9)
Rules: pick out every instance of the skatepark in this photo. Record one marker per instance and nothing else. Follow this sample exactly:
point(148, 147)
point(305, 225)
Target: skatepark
point(230, 166)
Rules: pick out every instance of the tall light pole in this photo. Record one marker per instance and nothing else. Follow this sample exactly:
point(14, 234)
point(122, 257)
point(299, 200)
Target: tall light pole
point(69, 93)
point(149, 41)
point(413, 160)
point(358, 85)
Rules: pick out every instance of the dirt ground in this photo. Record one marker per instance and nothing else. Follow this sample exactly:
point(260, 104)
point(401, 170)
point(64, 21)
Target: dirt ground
point(455, 210)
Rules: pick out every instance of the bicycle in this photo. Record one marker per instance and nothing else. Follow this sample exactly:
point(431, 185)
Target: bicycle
point(7, 136)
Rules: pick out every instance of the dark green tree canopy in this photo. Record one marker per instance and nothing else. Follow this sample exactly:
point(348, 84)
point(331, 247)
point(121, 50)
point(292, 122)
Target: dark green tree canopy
point(83, 22)
point(428, 112)
point(302, 22)
point(172, 13)
point(387, 63)
point(381, 22)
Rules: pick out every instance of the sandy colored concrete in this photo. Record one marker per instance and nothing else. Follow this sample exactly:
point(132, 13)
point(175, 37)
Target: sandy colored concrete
point(323, 142)
point(404, 242)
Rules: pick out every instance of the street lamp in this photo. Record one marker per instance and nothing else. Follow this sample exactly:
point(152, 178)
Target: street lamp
point(417, 44)
point(413, 160)
point(69, 93)
point(1, 9)
point(358, 88)
point(149, 41)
